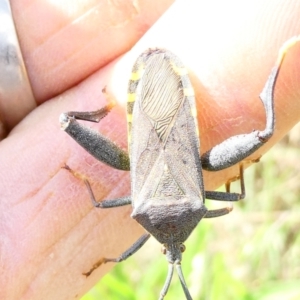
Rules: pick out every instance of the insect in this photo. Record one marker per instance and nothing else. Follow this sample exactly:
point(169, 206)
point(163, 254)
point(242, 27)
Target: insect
point(167, 190)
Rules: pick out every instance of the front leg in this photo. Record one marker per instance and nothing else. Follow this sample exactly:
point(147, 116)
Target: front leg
point(96, 144)
point(237, 148)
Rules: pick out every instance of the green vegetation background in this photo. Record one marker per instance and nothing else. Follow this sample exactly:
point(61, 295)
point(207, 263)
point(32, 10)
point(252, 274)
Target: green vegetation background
point(251, 254)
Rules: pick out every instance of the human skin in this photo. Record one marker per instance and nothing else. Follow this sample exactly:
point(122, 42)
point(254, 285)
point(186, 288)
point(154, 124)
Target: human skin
point(50, 232)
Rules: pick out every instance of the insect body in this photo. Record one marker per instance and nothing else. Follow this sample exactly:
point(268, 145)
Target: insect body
point(167, 191)
point(167, 185)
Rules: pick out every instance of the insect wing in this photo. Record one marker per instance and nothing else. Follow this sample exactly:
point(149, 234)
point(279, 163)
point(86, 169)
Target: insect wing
point(163, 136)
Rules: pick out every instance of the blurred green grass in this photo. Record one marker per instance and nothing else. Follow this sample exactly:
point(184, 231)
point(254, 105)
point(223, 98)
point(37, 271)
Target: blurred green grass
point(251, 254)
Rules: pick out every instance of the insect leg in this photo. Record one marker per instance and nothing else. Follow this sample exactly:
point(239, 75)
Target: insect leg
point(135, 247)
point(237, 148)
point(226, 196)
point(96, 144)
point(101, 204)
point(92, 116)
point(106, 203)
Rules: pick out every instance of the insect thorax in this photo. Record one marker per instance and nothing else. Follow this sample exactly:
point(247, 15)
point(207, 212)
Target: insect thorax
point(168, 219)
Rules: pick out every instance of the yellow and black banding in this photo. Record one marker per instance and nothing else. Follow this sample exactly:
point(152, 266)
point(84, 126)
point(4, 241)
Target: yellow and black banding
point(188, 89)
point(167, 87)
point(136, 74)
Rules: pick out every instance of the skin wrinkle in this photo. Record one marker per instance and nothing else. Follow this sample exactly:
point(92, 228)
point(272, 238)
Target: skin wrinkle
point(49, 195)
point(38, 37)
point(35, 192)
point(101, 217)
point(82, 17)
point(51, 249)
point(69, 57)
point(227, 125)
point(39, 208)
point(135, 12)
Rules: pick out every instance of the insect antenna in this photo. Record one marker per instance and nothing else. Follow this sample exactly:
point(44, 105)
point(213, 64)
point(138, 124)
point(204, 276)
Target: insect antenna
point(182, 281)
point(167, 282)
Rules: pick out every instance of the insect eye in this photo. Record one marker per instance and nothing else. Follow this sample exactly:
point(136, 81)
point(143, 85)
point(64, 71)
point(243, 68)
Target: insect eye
point(182, 248)
point(163, 250)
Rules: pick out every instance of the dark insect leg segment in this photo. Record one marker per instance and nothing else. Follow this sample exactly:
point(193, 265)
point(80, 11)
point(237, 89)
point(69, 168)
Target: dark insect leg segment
point(101, 204)
point(107, 203)
point(96, 144)
point(237, 148)
point(226, 196)
point(134, 248)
